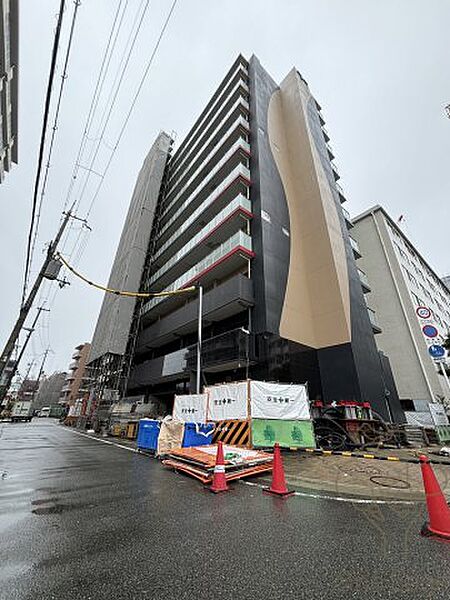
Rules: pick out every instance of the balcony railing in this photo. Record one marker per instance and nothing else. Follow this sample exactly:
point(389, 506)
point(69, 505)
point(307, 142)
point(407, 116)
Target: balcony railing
point(363, 277)
point(238, 170)
point(226, 93)
point(355, 246)
point(239, 202)
point(373, 317)
point(238, 239)
point(346, 214)
point(203, 142)
point(240, 143)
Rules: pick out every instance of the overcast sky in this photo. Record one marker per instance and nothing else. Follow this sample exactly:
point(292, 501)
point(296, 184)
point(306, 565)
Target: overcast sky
point(379, 68)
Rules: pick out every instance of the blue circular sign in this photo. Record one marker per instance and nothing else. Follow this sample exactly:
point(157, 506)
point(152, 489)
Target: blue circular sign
point(430, 331)
point(436, 351)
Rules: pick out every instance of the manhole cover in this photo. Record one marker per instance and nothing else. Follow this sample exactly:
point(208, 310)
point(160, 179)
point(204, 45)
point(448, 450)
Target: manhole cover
point(390, 482)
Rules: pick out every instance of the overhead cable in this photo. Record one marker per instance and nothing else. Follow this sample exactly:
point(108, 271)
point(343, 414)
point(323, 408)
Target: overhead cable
point(123, 292)
point(42, 144)
point(55, 126)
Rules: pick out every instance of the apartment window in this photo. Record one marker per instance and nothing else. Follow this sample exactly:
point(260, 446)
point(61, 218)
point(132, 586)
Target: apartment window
point(417, 301)
point(402, 253)
point(410, 276)
point(426, 292)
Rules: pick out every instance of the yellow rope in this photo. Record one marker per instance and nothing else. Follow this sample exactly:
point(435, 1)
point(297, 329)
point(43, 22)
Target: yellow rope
point(122, 292)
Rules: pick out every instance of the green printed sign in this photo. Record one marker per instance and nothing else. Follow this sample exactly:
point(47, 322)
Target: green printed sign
point(443, 433)
point(289, 434)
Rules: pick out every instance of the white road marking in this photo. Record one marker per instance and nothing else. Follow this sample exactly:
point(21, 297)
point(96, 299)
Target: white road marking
point(340, 498)
point(91, 437)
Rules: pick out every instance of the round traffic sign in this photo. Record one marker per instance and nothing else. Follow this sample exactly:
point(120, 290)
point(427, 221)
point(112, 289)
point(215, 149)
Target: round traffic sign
point(430, 331)
point(436, 351)
point(423, 312)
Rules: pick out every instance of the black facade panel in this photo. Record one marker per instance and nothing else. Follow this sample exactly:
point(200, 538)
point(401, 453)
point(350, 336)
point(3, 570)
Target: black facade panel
point(271, 246)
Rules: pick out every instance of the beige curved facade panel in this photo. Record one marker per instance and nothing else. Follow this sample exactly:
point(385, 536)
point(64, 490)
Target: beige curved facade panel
point(316, 309)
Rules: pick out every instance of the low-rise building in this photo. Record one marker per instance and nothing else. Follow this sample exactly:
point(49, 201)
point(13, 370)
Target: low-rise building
point(77, 378)
point(413, 307)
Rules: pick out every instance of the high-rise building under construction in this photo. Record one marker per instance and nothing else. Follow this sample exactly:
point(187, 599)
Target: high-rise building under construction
point(249, 207)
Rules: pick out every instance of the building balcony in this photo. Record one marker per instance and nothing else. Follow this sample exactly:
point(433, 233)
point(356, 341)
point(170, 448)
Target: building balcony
point(225, 224)
point(198, 185)
point(230, 350)
point(374, 321)
point(335, 170)
point(355, 246)
point(74, 364)
point(220, 263)
point(70, 377)
point(217, 131)
point(66, 389)
point(364, 281)
point(330, 151)
point(221, 193)
point(221, 302)
point(340, 191)
point(236, 82)
point(325, 134)
point(76, 354)
point(347, 217)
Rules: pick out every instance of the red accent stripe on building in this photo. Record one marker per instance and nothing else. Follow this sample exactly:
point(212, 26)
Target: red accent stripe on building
point(249, 253)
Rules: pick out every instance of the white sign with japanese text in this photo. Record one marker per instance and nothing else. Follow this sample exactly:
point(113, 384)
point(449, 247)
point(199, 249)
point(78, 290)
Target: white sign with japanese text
point(279, 401)
point(438, 414)
point(227, 401)
point(190, 408)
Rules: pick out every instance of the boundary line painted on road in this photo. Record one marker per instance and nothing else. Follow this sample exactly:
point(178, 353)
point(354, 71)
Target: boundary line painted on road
point(91, 437)
point(340, 498)
point(347, 453)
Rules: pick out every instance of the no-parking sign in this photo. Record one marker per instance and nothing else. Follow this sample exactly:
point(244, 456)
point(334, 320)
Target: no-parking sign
point(423, 312)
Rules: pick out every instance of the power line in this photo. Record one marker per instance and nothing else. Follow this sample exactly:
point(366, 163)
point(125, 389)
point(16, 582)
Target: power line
point(55, 126)
point(42, 144)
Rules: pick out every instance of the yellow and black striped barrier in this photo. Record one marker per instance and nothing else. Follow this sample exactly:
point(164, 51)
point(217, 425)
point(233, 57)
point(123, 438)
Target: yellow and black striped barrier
point(232, 432)
point(321, 452)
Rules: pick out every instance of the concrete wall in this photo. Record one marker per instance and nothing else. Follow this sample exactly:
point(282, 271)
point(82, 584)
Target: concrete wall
point(113, 325)
point(401, 338)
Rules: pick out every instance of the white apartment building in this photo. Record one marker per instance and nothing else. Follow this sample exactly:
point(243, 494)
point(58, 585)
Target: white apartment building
point(401, 281)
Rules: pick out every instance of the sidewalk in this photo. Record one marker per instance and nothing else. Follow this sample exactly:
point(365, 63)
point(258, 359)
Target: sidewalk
point(359, 477)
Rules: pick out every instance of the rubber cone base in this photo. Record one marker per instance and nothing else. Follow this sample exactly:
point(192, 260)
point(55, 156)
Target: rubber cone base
point(427, 532)
point(278, 494)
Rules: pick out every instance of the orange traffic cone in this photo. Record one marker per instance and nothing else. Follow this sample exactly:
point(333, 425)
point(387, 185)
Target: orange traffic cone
point(219, 483)
point(278, 487)
point(438, 510)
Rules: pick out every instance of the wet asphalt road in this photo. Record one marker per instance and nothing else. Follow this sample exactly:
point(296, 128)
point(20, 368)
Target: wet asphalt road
point(80, 519)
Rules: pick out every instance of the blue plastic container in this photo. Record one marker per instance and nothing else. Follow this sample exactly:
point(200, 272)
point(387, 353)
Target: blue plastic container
point(148, 434)
point(197, 434)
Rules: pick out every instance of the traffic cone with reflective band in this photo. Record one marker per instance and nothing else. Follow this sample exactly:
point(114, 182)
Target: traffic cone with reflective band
point(278, 487)
point(219, 483)
point(438, 509)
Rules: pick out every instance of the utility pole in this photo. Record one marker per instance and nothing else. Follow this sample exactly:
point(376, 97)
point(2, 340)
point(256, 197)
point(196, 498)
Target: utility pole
point(41, 370)
point(9, 377)
point(25, 309)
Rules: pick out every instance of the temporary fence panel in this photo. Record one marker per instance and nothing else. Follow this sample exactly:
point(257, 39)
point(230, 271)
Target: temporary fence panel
point(148, 433)
point(289, 434)
point(438, 414)
point(443, 433)
point(227, 401)
point(170, 436)
point(235, 432)
point(197, 434)
point(279, 401)
point(190, 408)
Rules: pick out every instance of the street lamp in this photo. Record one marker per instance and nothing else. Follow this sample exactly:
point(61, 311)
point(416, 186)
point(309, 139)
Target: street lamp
point(199, 337)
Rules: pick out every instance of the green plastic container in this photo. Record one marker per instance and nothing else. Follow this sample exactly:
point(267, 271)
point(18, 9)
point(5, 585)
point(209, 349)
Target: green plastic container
point(289, 434)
